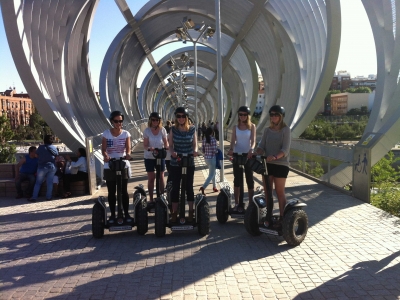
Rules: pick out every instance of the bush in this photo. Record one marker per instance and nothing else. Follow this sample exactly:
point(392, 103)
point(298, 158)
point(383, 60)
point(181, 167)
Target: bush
point(387, 199)
point(7, 153)
point(385, 179)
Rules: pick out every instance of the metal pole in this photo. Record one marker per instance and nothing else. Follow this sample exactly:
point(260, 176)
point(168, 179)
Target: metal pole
point(219, 74)
point(195, 84)
point(180, 92)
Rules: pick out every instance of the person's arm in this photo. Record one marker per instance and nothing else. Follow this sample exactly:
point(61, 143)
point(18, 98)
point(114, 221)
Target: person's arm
point(261, 145)
point(165, 138)
point(104, 149)
point(252, 140)
point(233, 141)
point(171, 144)
point(285, 144)
point(20, 163)
point(75, 164)
point(146, 141)
point(128, 147)
point(195, 149)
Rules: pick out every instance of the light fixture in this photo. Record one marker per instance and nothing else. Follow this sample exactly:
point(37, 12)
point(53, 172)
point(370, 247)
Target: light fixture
point(188, 23)
point(185, 57)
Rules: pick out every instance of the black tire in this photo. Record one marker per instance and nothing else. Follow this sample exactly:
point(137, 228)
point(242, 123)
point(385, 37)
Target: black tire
point(250, 220)
point(160, 219)
point(222, 208)
point(98, 221)
point(203, 218)
point(295, 226)
point(141, 219)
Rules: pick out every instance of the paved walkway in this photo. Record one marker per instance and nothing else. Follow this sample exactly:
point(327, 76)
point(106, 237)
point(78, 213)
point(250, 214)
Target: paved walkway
point(352, 251)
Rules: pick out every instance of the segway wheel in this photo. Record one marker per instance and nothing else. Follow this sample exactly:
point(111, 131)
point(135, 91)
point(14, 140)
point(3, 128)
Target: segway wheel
point(203, 219)
point(160, 219)
point(250, 220)
point(295, 226)
point(98, 221)
point(222, 209)
point(142, 221)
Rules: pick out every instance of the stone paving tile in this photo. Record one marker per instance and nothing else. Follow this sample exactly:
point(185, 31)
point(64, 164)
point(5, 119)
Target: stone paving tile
point(352, 251)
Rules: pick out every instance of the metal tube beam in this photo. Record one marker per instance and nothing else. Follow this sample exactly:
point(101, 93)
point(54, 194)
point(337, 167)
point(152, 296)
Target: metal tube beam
point(219, 80)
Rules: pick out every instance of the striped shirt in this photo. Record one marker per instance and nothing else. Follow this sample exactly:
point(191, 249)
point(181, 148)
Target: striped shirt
point(183, 142)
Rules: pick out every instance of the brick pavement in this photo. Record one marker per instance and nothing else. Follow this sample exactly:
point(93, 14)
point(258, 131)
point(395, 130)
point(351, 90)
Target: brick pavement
point(352, 251)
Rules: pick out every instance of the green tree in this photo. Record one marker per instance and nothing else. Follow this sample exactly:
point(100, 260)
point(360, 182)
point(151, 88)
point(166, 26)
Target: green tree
point(7, 151)
point(38, 127)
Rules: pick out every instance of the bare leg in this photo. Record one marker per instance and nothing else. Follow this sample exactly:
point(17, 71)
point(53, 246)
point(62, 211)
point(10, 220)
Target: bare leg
point(280, 192)
point(236, 191)
point(150, 184)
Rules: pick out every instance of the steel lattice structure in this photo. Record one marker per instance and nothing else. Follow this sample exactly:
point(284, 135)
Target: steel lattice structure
point(295, 43)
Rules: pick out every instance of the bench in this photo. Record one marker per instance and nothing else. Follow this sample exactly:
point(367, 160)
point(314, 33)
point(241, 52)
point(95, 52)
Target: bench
point(7, 184)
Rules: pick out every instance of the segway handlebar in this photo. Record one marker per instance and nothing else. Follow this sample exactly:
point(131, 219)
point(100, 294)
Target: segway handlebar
point(159, 152)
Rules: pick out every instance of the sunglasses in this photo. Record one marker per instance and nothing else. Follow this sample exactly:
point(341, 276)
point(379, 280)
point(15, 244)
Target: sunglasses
point(155, 120)
point(243, 115)
point(118, 121)
point(180, 116)
point(274, 115)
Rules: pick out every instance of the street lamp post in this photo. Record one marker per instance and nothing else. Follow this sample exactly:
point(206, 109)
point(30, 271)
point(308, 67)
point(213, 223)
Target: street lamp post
point(187, 63)
point(182, 33)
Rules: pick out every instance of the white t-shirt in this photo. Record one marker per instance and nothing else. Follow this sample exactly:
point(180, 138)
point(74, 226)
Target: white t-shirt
point(116, 146)
point(155, 141)
point(243, 140)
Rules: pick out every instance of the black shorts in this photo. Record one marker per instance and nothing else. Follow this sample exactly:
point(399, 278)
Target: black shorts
point(278, 171)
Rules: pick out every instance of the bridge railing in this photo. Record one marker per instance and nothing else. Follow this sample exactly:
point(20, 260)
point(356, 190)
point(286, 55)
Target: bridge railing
point(329, 162)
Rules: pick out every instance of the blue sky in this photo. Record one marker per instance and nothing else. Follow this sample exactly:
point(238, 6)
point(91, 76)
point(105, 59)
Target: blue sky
point(357, 50)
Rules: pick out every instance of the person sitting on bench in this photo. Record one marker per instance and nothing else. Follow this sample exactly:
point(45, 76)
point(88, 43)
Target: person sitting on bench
point(80, 165)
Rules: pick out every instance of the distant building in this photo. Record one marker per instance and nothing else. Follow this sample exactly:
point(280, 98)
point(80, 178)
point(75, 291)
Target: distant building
point(260, 99)
point(342, 81)
point(339, 104)
point(18, 107)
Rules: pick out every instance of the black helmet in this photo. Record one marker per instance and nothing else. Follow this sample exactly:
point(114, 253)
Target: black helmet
point(114, 114)
point(244, 109)
point(155, 115)
point(278, 109)
point(181, 110)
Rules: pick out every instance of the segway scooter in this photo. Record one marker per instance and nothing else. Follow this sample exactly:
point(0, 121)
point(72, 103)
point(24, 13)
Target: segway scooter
point(225, 198)
point(260, 219)
point(201, 218)
point(99, 212)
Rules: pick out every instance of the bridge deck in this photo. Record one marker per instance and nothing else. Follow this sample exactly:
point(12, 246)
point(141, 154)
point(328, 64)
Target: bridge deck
point(352, 250)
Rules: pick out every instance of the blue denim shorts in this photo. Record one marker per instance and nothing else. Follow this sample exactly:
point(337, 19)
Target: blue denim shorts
point(150, 165)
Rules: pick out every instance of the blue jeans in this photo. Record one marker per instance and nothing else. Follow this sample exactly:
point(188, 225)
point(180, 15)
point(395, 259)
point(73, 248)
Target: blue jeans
point(211, 162)
point(42, 174)
point(25, 177)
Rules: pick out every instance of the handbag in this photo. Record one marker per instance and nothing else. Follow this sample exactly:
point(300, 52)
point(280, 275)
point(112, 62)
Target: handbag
point(218, 156)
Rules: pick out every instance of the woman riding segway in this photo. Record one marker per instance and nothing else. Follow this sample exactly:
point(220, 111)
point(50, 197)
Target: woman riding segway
point(182, 139)
point(154, 136)
point(243, 141)
point(275, 145)
point(116, 143)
